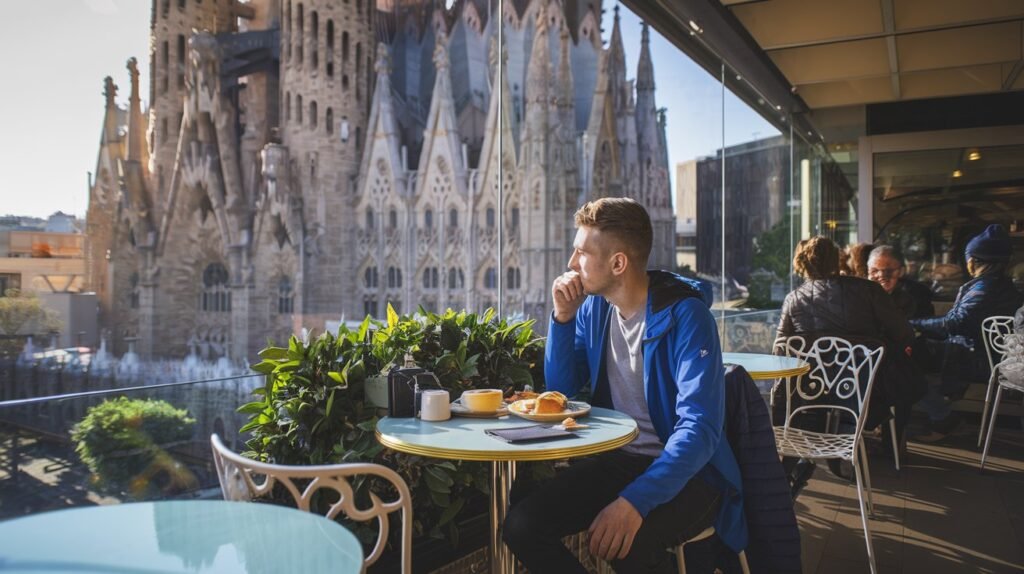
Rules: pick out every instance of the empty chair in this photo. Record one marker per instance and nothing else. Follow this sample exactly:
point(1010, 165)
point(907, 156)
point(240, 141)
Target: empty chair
point(1007, 374)
point(244, 479)
point(837, 386)
point(993, 334)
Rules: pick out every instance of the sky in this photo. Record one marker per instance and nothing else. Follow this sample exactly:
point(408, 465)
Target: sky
point(52, 108)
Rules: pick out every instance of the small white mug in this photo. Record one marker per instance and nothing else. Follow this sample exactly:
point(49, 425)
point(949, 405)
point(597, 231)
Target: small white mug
point(435, 406)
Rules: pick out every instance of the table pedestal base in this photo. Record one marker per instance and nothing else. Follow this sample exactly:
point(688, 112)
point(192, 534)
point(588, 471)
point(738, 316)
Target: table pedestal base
point(503, 473)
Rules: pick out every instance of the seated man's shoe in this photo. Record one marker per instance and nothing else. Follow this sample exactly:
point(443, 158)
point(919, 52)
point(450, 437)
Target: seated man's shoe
point(801, 474)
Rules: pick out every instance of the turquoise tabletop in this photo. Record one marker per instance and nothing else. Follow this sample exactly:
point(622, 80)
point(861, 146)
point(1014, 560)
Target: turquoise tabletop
point(764, 366)
point(464, 438)
point(178, 536)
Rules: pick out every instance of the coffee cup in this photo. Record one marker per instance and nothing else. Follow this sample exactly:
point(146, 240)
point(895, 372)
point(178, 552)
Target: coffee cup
point(436, 405)
point(482, 400)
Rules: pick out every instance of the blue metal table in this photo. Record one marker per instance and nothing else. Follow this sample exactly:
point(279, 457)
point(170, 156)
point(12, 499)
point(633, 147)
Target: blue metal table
point(464, 439)
point(178, 536)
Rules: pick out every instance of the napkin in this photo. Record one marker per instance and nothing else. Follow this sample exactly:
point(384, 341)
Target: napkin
point(529, 433)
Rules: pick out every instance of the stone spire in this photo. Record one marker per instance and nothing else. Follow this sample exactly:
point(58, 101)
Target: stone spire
point(617, 64)
point(382, 124)
point(645, 67)
point(136, 122)
point(111, 132)
point(566, 90)
point(441, 125)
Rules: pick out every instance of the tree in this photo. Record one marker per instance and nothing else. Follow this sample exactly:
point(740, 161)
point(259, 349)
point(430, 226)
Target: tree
point(23, 314)
point(773, 251)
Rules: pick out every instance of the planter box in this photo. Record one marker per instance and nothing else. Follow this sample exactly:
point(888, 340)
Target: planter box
point(375, 390)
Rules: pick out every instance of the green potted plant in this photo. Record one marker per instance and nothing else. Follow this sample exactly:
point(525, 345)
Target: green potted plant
point(390, 344)
point(314, 409)
point(125, 444)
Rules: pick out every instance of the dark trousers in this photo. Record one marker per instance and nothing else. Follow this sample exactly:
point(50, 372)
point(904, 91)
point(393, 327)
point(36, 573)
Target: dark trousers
point(541, 514)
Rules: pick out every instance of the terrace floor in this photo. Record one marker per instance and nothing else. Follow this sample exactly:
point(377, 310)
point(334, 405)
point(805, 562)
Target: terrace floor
point(938, 514)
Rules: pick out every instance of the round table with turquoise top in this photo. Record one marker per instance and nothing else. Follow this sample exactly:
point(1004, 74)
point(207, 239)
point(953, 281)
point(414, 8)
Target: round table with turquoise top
point(763, 366)
point(464, 439)
point(178, 536)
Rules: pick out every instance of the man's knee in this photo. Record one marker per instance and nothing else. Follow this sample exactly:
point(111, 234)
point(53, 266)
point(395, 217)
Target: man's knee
point(518, 530)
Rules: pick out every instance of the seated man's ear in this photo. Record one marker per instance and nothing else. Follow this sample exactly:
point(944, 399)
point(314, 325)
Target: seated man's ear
point(620, 262)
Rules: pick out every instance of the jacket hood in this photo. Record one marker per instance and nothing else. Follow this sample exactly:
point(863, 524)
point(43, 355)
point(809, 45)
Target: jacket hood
point(666, 288)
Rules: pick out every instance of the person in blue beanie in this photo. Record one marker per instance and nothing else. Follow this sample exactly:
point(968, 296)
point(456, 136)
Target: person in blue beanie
point(644, 343)
point(989, 292)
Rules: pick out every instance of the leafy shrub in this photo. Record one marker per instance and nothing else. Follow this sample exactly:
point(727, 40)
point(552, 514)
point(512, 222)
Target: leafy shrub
point(124, 442)
point(312, 409)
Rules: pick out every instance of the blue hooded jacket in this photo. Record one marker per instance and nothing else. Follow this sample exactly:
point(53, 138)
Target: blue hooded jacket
point(684, 383)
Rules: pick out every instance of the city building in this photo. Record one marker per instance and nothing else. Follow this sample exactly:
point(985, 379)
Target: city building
point(301, 162)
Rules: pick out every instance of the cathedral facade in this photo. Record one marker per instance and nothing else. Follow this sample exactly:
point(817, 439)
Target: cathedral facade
point(302, 161)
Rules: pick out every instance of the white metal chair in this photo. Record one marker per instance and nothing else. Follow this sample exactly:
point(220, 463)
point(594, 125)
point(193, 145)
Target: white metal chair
point(1008, 374)
point(705, 534)
point(993, 333)
point(238, 481)
point(839, 383)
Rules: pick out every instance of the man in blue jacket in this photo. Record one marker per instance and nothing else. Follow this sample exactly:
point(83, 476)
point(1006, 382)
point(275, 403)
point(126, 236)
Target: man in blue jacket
point(645, 344)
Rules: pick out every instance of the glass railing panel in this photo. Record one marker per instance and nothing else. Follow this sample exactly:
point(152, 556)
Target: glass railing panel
point(117, 445)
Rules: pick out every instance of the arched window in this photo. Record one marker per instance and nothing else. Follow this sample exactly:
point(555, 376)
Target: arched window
point(490, 217)
point(394, 277)
point(133, 293)
point(330, 48)
point(430, 277)
point(369, 218)
point(513, 278)
point(216, 295)
point(515, 218)
point(312, 115)
point(288, 29)
point(344, 49)
point(370, 278)
point(453, 218)
point(315, 44)
point(490, 278)
point(329, 121)
point(298, 109)
point(285, 296)
point(393, 219)
point(370, 306)
point(288, 106)
point(359, 6)
point(428, 219)
point(456, 279)
point(344, 82)
point(301, 24)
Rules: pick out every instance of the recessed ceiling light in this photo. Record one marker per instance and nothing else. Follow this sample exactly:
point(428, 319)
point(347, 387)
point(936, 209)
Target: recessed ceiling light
point(957, 173)
point(974, 156)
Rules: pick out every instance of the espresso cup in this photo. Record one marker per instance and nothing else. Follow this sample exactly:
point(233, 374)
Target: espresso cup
point(482, 400)
point(436, 406)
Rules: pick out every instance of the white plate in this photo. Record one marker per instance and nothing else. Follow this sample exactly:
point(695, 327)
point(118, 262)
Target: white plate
point(573, 409)
point(459, 410)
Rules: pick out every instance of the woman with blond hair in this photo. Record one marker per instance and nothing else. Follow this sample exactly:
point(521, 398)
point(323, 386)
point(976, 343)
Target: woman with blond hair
point(859, 310)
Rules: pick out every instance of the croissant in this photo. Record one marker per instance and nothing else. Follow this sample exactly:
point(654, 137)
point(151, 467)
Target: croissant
point(551, 402)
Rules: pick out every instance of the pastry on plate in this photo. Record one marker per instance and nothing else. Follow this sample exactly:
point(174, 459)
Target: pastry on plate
point(551, 402)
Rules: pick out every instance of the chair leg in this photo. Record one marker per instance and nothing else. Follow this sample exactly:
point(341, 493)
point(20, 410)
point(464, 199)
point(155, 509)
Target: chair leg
point(744, 567)
point(895, 441)
point(681, 558)
point(988, 399)
point(864, 518)
point(863, 460)
point(991, 425)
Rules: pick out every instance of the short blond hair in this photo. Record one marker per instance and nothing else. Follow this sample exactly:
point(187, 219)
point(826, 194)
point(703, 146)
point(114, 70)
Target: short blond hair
point(625, 220)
